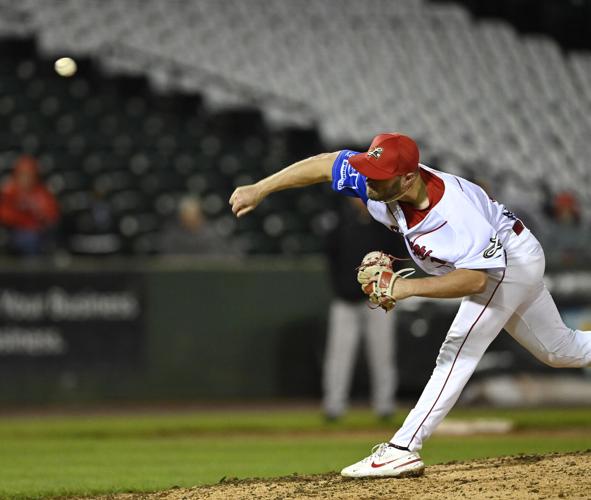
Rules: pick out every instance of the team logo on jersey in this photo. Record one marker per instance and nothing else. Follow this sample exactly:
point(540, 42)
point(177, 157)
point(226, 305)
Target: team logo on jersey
point(493, 248)
point(420, 251)
point(375, 153)
point(423, 253)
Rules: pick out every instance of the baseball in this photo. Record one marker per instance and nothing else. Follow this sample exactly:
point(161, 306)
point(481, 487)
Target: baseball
point(65, 66)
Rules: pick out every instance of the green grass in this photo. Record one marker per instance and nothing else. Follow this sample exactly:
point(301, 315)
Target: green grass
point(264, 421)
point(85, 455)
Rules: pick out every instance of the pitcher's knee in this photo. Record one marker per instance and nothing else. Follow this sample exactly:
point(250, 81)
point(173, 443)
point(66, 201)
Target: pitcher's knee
point(556, 361)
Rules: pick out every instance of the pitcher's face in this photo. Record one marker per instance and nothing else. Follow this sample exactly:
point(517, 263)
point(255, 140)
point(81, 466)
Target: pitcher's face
point(387, 190)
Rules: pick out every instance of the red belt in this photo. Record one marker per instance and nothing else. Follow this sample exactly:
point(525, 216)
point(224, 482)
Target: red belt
point(518, 227)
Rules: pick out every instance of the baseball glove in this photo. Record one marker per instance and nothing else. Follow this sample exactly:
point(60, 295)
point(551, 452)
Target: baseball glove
point(377, 278)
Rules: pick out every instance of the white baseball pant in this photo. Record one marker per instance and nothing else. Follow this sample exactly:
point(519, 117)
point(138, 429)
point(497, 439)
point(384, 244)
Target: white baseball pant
point(515, 299)
point(346, 323)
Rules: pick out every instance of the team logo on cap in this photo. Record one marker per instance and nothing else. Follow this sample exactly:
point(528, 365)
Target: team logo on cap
point(375, 152)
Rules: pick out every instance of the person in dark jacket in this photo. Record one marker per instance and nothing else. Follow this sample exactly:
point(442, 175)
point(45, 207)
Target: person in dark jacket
point(351, 319)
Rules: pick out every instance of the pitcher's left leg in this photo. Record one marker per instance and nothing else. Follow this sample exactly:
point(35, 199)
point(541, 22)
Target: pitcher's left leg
point(477, 323)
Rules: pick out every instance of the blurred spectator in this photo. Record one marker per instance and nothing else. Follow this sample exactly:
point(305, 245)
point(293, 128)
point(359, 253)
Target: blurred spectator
point(566, 209)
point(28, 210)
point(191, 233)
point(565, 242)
point(350, 317)
point(518, 197)
point(554, 219)
point(95, 231)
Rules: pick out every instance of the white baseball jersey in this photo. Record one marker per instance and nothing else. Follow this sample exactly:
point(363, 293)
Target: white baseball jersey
point(464, 228)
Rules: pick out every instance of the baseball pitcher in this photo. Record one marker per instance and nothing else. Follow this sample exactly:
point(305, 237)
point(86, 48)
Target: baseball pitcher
point(473, 247)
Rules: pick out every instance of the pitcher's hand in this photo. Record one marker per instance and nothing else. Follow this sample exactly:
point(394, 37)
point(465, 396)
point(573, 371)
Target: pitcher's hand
point(244, 199)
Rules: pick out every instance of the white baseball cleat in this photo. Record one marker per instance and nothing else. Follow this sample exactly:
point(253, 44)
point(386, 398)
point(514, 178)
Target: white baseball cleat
point(387, 461)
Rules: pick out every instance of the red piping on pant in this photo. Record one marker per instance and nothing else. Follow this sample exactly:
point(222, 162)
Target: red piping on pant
point(455, 359)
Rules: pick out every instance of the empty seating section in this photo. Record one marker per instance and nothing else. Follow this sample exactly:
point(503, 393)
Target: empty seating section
point(478, 96)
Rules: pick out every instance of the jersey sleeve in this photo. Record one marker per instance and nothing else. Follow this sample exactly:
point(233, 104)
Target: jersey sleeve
point(478, 246)
point(345, 179)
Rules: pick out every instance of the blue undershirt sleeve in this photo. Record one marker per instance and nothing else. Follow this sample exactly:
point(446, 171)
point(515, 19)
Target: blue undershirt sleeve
point(345, 179)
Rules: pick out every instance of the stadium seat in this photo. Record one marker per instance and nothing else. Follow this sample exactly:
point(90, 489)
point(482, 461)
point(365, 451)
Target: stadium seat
point(478, 96)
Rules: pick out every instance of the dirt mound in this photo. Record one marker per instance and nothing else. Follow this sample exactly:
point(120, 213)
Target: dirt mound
point(524, 476)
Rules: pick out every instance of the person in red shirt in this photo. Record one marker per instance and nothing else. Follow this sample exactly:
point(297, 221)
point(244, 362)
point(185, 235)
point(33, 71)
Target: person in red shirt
point(28, 209)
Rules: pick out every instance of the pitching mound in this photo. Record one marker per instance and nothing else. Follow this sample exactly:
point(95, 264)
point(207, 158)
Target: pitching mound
point(527, 476)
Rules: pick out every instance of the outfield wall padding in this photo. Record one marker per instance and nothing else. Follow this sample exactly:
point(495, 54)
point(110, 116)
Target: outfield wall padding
point(204, 329)
point(175, 329)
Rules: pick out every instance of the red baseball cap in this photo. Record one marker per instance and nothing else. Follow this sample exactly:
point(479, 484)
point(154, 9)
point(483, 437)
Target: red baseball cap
point(388, 156)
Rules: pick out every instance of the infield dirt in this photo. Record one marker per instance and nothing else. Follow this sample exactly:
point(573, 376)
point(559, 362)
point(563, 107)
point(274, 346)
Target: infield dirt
point(517, 477)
